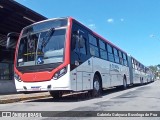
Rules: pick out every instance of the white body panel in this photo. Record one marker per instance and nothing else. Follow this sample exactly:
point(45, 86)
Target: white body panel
point(137, 76)
point(140, 75)
point(112, 74)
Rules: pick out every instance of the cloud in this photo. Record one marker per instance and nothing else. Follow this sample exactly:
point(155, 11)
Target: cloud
point(110, 20)
point(92, 26)
point(152, 36)
point(121, 19)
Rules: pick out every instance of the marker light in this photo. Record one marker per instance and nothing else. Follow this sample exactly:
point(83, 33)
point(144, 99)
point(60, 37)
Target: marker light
point(17, 77)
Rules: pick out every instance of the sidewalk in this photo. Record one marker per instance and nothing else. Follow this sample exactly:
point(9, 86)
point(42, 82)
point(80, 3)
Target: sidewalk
point(4, 99)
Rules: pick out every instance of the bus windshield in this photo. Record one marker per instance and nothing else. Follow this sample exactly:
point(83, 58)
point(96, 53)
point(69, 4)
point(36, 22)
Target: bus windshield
point(42, 45)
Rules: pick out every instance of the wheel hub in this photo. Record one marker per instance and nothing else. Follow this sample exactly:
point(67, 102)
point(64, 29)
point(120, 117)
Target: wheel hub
point(96, 85)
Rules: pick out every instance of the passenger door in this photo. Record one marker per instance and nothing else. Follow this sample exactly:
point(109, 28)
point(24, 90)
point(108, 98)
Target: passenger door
point(80, 58)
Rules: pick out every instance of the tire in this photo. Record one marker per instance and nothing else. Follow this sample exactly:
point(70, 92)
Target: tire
point(124, 83)
point(97, 87)
point(55, 94)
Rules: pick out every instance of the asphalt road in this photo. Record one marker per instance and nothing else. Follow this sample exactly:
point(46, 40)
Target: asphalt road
point(137, 98)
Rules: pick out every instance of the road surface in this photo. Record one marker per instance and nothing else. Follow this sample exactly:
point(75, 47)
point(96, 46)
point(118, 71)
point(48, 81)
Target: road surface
point(138, 98)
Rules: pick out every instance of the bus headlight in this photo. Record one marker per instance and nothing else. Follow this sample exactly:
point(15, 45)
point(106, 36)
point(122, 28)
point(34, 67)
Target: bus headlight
point(17, 77)
point(60, 73)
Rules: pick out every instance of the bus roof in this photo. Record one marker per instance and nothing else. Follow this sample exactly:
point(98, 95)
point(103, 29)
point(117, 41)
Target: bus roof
point(71, 18)
point(138, 61)
point(98, 35)
point(46, 21)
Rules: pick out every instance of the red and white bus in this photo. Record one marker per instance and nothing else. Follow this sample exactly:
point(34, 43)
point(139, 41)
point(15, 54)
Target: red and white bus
point(61, 54)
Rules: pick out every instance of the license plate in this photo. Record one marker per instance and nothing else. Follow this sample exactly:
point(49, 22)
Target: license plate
point(36, 88)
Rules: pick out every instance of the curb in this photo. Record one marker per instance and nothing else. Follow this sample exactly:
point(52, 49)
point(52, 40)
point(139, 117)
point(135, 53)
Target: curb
point(22, 98)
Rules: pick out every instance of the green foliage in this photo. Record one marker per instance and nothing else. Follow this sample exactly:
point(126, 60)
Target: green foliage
point(156, 69)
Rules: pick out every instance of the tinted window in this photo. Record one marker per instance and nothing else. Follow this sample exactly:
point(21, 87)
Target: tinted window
point(116, 55)
point(94, 50)
point(102, 44)
point(92, 40)
point(109, 48)
point(132, 65)
point(115, 51)
point(50, 48)
point(45, 25)
point(120, 54)
point(110, 57)
point(132, 61)
point(83, 49)
point(125, 59)
point(75, 44)
point(120, 57)
point(124, 56)
point(125, 63)
point(27, 50)
point(116, 59)
point(103, 54)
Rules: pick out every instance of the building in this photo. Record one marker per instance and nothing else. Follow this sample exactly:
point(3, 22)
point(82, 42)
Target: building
point(13, 17)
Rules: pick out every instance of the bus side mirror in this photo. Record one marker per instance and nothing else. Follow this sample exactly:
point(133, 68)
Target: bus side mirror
point(12, 38)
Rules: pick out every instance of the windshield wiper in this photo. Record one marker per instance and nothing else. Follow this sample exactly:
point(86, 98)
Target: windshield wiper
point(47, 37)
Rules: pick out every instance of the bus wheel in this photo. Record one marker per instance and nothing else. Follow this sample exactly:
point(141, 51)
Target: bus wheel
point(97, 87)
point(56, 94)
point(124, 83)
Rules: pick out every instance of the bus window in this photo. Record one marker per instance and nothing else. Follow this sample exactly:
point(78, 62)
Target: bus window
point(120, 57)
point(94, 50)
point(125, 59)
point(110, 53)
point(73, 41)
point(92, 40)
point(102, 45)
point(103, 52)
point(116, 55)
point(109, 48)
point(83, 48)
point(133, 63)
point(76, 45)
point(93, 46)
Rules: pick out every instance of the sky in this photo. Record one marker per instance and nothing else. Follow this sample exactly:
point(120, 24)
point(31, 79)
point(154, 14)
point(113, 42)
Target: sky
point(132, 25)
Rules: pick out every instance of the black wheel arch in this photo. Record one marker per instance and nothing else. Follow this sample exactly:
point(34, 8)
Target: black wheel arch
point(99, 75)
point(125, 77)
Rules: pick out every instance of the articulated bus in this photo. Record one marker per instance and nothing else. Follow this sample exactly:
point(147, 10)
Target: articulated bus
point(138, 72)
point(62, 55)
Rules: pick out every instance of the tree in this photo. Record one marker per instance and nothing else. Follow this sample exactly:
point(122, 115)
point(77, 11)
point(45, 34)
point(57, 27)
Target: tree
point(158, 66)
point(153, 68)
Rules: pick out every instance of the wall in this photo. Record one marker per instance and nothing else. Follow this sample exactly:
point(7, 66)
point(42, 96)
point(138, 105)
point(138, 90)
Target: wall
point(7, 87)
